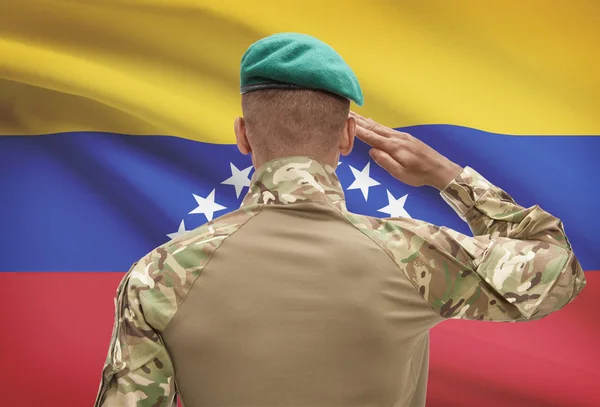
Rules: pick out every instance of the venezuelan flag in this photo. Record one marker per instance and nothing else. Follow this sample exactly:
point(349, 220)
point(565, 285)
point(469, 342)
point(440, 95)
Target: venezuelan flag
point(116, 119)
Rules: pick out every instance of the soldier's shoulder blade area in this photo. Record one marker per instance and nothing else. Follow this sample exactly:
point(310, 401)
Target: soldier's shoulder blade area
point(164, 276)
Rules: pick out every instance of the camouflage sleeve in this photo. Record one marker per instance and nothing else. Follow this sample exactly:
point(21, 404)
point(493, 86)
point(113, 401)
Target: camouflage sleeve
point(518, 266)
point(522, 264)
point(138, 371)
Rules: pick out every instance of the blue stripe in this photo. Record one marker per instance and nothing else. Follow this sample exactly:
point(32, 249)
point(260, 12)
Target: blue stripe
point(98, 202)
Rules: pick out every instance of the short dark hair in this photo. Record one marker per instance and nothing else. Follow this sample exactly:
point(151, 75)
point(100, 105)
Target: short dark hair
point(284, 122)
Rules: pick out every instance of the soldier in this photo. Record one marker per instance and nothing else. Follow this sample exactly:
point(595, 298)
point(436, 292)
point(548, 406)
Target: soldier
point(294, 301)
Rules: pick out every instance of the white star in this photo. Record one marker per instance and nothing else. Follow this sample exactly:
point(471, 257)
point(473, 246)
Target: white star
point(179, 232)
point(362, 180)
point(239, 179)
point(207, 205)
point(395, 207)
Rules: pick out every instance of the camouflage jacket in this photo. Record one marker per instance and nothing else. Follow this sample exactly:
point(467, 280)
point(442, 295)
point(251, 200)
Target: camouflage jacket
point(519, 266)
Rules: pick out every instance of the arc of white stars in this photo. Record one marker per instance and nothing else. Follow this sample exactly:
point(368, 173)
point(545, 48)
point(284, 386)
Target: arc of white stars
point(395, 207)
point(239, 179)
point(207, 206)
point(362, 180)
point(179, 232)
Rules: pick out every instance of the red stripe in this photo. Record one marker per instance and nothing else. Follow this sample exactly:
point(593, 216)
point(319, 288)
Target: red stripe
point(56, 328)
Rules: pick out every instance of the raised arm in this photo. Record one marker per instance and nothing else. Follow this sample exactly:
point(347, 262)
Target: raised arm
point(518, 266)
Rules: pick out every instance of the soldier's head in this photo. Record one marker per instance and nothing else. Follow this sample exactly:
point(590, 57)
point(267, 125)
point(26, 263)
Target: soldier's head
point(285, 122)
point(296, 93)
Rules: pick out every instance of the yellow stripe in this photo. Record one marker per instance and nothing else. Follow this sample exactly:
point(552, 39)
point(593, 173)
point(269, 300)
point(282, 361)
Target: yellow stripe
point(171, 67)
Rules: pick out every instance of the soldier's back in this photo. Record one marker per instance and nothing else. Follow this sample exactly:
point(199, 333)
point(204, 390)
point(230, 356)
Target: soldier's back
point(299, 307)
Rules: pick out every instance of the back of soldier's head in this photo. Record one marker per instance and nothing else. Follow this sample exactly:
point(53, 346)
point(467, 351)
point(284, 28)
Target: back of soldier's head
point(296, 93)
point(284, 122)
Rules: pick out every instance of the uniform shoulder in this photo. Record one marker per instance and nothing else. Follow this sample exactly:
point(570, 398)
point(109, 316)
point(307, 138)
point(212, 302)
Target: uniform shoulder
point(401, 236)
point(211, 233)
point(163, 277)
point(417, 247)
point(389, 230)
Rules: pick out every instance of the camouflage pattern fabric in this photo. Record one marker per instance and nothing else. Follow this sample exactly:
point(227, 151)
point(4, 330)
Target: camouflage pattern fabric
point(138, 370)
point(519, 266)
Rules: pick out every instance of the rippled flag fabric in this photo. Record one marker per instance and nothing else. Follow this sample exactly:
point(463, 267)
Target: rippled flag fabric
point(116, 123)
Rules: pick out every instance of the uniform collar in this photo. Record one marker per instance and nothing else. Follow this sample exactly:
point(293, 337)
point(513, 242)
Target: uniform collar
point(294, 179)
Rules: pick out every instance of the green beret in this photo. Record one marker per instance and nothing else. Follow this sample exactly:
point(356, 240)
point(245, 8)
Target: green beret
point(297, 61)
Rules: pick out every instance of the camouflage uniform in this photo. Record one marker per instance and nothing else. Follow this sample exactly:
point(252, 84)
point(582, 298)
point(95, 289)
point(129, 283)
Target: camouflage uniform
point(313, 305)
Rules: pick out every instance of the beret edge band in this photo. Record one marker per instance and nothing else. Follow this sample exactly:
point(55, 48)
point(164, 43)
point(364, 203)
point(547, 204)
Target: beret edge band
point(268, 85)
point(281, 85)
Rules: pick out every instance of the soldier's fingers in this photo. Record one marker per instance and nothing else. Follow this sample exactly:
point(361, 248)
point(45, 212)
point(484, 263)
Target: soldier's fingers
point(372, 125)
point(387, 162)
point(363, 122)
point(387, 132)
point(374, 139)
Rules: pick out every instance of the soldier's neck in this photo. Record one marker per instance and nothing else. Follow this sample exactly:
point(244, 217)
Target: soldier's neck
point(331, 159)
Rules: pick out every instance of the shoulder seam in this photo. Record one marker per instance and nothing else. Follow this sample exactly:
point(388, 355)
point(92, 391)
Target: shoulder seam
point(368, 237)
point(393, 260)
point(260, 208)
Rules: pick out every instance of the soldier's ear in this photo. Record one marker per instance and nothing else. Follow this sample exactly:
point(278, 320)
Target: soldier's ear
point(347, 138)
point(239, 127)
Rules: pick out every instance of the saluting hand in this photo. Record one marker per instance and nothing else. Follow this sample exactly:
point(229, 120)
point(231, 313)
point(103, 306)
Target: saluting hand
point(404, 157)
